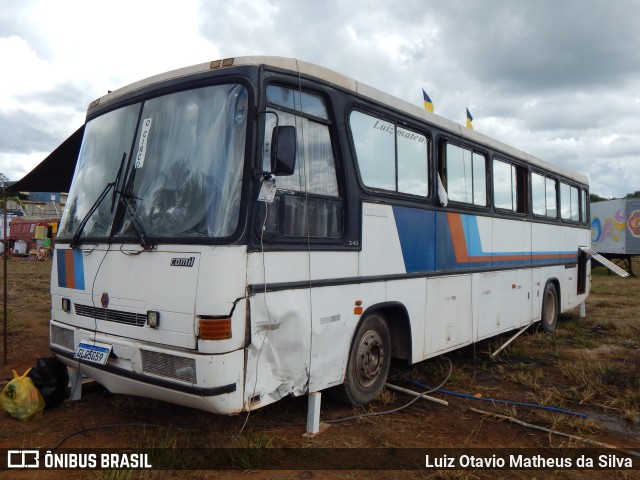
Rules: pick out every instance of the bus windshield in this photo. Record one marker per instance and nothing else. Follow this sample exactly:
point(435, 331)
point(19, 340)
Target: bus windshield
point(175, 167)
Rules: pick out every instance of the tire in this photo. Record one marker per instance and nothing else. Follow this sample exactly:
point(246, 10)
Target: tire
point(368, 364)
point(549, 315)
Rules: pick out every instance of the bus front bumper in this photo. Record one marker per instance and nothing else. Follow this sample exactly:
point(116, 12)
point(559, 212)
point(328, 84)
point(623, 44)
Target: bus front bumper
point(207, 382)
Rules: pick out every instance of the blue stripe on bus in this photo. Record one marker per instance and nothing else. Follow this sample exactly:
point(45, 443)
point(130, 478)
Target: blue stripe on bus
point(78, 269)
point(417, 238)
point(472, 236)
point(428, 245)
point(62, 271)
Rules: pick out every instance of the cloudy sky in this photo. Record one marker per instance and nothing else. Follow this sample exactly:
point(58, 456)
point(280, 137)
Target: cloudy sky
point(559, 79)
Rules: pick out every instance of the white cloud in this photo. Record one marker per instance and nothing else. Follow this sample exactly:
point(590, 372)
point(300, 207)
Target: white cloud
point(559, 80)
point(19, 164)
point(25, 73)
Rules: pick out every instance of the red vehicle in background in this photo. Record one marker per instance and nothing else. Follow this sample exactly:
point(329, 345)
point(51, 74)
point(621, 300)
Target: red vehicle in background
point(32, 233)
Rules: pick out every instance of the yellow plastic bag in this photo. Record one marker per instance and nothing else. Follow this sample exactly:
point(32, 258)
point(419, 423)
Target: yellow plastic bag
point(21, 399)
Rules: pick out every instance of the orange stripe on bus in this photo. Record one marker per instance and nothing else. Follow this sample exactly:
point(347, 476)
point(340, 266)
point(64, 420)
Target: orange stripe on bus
point(462, 255)
point(457, 235)
point(69, 270)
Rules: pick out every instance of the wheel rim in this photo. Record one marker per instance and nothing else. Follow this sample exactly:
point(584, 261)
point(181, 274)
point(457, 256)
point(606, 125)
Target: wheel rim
point(370, 358)
point(549, 308)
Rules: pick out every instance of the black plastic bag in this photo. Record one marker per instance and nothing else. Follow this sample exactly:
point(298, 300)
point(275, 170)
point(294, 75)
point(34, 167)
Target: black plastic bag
point(51, 377)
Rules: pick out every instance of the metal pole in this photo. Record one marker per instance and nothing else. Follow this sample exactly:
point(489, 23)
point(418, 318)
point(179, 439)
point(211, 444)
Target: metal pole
point(4, 261)
point(417, 394)
point(511, 339)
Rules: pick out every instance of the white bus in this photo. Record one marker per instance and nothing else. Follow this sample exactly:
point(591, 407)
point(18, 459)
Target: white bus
point(257, 227)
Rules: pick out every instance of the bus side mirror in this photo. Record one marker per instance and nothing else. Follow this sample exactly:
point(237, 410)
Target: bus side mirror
point(283, 150)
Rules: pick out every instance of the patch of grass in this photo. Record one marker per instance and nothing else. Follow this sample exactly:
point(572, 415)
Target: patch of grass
point(460, 375)
point(452, 475)
point(135, 406)
point(582, 384)
point(563, 422)
point(529, 377)
point(578, 334)
point(631, 414)
point(252, 451)
point(130, 404)
point(548, 396)
point(432, 373)
point(387, 396)
point(507, 410)
point(630, 336)
point(166, 448)
point(619, 374)
point(632, 396)
point(114, 474)
point(546, 341)
point(16, 326)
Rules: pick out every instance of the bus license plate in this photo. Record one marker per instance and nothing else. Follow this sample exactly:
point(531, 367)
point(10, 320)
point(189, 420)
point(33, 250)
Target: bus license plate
point(93, 352)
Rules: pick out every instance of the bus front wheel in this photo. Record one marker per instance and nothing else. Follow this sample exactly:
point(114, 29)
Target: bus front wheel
point(549, 308)
point(369, 360)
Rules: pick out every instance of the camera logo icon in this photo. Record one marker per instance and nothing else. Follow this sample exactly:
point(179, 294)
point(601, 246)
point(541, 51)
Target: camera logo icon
point(23, 459)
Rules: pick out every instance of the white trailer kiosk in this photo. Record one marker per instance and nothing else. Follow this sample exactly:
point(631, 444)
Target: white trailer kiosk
point(256, 227)
point(615, 229)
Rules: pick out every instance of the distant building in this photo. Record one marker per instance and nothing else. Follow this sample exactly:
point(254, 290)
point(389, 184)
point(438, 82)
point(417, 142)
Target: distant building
point(45, 197)
point(39, 204)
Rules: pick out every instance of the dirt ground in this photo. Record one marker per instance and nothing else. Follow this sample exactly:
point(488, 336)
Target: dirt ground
point(588, 366)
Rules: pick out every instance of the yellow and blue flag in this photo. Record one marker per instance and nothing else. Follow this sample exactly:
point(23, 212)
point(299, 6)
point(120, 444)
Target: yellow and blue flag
point(428, 104)
point(469, 120)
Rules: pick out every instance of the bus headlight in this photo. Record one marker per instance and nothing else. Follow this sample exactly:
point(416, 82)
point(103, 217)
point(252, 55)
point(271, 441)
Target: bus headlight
point(66, 305)
point(153, 318)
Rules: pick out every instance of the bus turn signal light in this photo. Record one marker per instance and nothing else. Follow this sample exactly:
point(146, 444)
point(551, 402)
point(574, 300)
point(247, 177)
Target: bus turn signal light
point(215, 328)
point(357, 310)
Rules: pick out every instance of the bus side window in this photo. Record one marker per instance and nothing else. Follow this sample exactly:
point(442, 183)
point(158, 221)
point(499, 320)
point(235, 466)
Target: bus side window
point(390, 157)
point(543, 192)
point(552, 197)
point(307, 203)
point(584, 214)
point(509, 187)
point(465, 175)
point(569, 202)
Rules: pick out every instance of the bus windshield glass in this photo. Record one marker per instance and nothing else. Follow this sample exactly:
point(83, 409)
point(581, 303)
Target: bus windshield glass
point(175, 163)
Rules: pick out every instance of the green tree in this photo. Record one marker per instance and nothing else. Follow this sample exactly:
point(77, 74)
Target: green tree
point(594, 197)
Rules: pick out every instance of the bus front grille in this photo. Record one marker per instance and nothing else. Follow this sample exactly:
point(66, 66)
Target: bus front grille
point(169, 366)
point(135, 319)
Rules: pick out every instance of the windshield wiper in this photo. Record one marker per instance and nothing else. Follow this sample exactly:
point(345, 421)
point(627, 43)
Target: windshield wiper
point(75, 240)
point(129, 202)
point(117, 181)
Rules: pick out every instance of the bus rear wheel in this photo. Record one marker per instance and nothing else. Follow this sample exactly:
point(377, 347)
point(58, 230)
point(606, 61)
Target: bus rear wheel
point(549, 317)
point(369, 360)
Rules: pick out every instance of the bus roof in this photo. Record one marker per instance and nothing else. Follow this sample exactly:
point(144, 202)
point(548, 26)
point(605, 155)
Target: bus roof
point(342, 81)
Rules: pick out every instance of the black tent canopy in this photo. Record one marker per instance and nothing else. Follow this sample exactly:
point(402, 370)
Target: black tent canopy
point(55, 172)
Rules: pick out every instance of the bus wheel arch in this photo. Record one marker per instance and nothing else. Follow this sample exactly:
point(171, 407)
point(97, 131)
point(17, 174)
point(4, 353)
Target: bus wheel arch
point(550, 308)
point(400, 328)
